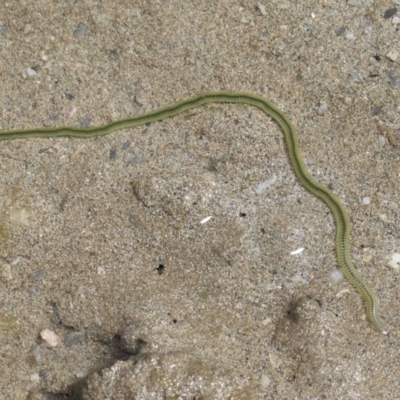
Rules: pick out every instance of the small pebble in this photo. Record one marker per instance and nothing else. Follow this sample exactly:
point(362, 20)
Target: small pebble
point(38, 276)
point(394, 79)
point(393, 55)
point(390, 12)
point(6, 272)
point(203, 221)
point(348, 100)
point(134, 159)
point(266, 321)
point(75, 155)
point(322, 109)
point(275, 360)
point(394, 261)
point(15, 260)
point(262, 9)
point(340, 31)
point(85, 122)
point(81, 31)
point(27, 29)
point(265, 185)
point(265, 381)
point(297, 251)
point(356, 76)
point(367, 30)
point(126, 145)
point(309, 162)
point(30, 72)
point(354, 3)
point(138, 100)
point(366, 200)
point(336, 276)
point(376, 111)
point(20, 216)
point(113, 154)
point(244, 16)
point(395, 20)
point(367, 257)
point(74, 338)
point(35, 378)
point(383, 217)
point(101, 270)
point(55, 318)
point(50, 337)
point(342, 292)
point(350, 36)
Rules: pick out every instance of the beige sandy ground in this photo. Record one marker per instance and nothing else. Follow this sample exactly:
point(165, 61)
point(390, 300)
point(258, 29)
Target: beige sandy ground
point(86, 224)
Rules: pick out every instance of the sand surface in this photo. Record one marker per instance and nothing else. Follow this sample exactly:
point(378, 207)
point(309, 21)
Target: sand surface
point(102, 247)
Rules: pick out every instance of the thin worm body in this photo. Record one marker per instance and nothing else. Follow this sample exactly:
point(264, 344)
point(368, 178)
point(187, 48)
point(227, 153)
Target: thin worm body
point(341, 218)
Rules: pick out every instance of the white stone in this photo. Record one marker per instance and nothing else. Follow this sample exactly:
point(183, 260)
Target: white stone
point(265, 185)
point(322, 109)
point(265, 381)
point(336, 276)
point(262, 9)
point(50, 337)
point(393, 55)
point(394, 261)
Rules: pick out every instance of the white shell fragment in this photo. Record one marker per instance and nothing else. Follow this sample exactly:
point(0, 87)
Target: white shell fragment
point(342, 292)
point(393, 55)
point(30, 72)
point(322, 109)
point(20, 216)
point(336, 276)
point(265, 185)
point(367, 30)
point(50, 337)
point(262, 9)
point(203, 221)
point(298, 251)
point(265, 381)
point(366, 200)
point(394, 261)
point(81, 31)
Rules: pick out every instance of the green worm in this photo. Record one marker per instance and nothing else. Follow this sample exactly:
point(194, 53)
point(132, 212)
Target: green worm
point(342, 242)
